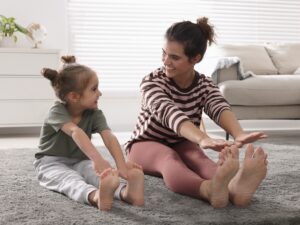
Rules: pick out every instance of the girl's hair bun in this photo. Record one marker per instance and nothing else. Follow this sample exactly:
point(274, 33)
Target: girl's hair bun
point(68, 59)
point(50, 74)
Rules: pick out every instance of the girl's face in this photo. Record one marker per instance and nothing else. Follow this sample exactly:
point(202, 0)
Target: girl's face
point(90, 96)
point(177, 64)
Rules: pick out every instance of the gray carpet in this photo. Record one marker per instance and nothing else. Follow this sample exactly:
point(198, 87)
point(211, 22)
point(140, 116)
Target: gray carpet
point(277, 201)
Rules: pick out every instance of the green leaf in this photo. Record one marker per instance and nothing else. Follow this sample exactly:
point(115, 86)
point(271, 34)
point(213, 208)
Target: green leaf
point(21, 29)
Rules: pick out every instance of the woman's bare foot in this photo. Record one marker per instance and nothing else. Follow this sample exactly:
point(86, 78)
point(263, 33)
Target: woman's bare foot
point(254, 170)
point(109, 181)
point(133, 193)
point(216, 190)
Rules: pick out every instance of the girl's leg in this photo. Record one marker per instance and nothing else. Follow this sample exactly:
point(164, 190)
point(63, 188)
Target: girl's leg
point(194, 157)
point(131, 191)
point(108, 184)
point(56, 174)
point(158, 159)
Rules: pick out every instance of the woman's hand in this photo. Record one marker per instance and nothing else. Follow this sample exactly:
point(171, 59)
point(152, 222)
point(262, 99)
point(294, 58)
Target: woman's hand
point(245, 138)
point(100, 166)
point(215, 144)
point(123, 171)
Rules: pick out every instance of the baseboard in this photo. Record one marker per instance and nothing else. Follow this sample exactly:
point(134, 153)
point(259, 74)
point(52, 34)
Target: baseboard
point(258, 125)
point(210, 126)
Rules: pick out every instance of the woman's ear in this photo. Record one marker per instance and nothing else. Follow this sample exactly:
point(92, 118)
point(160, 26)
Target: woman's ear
point(196, 59)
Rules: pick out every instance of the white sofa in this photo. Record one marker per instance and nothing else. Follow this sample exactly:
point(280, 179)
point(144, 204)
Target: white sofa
point(258, 81)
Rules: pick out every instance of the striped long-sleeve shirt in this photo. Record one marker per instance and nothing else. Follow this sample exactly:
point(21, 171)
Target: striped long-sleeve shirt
point(165, 106)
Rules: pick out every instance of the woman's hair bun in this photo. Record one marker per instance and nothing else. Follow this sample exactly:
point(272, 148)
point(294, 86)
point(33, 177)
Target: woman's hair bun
point(202, 20)
point(207, 29)
point(68, 59)
point(50, 74)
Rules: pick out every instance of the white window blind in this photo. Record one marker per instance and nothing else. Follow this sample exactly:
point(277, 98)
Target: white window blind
point(256, 21)
point(122, 40)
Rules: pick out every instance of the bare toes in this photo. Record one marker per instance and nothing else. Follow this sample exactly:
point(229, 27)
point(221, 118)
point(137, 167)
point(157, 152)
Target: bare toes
point(235, 152)
point(259, 153)
point(105, 173)
point(249, 151)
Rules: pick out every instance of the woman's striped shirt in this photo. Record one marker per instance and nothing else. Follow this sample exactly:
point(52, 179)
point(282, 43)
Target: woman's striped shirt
point(165, 106)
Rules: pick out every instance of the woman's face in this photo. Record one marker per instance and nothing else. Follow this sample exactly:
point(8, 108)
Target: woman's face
point(177, 64)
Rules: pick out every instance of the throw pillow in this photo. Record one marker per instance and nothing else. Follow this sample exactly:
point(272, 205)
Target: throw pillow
point(297, 71)
point(253, 57)
point(285, 56)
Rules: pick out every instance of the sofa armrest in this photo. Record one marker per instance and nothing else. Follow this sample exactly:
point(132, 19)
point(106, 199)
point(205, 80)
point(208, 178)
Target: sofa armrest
point(225, 74)
point(221, 68)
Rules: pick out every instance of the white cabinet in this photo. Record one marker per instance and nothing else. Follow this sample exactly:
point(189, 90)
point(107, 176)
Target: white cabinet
point(25, 95)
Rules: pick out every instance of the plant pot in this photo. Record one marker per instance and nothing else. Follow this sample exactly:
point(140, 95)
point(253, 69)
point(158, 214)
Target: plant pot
point(7, 42)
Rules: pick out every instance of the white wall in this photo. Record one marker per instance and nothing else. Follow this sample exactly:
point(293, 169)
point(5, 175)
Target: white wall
point(50, 13)
point(121, 110)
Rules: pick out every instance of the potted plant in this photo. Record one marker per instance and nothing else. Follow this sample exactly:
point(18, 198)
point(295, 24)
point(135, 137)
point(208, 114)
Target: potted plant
point(8, 28)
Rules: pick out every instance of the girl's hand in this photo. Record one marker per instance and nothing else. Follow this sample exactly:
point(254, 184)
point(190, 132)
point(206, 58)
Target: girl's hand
point(123, 171)
point(215, 144)
point(100, 166)
point(245, 138)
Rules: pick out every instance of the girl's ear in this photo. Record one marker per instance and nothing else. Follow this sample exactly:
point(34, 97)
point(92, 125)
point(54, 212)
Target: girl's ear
point(73, 97)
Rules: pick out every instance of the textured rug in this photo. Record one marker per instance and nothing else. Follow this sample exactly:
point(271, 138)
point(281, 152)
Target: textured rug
point(277, 201)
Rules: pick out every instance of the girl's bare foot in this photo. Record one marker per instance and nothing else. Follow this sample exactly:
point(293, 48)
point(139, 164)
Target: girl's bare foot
point(109, 181)
point(254, 170)
point(133, 193)
point(216, 190)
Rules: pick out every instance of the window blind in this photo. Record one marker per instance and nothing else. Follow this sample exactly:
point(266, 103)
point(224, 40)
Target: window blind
point(256, 21)
point(122, 40)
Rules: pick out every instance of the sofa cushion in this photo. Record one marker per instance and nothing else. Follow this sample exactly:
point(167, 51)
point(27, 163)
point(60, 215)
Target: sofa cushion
point(286, 57)
point(297, 71)
point(267, 112)
point(263, 90)
point(253, 57)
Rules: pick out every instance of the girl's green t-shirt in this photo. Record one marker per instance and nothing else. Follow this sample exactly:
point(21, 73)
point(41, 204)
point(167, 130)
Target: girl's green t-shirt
point(54, 142)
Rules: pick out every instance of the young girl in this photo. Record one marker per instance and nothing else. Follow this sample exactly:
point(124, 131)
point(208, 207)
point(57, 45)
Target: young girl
point(167, 140)
point(67, 161)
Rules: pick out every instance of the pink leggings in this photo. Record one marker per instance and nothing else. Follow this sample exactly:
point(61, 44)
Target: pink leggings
point(183, 167)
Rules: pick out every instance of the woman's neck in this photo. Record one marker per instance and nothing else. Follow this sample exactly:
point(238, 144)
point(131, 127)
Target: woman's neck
point(186, 80)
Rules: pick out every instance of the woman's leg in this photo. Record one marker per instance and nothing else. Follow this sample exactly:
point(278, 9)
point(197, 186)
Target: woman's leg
point(253, 171)
point(156, 158)
point(194, 157)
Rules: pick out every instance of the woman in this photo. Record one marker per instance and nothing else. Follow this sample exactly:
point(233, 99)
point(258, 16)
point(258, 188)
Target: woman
point(167, 141)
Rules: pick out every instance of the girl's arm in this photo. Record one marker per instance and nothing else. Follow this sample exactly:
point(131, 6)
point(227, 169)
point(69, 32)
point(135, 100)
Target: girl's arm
point(113, 146)
point(85, 144)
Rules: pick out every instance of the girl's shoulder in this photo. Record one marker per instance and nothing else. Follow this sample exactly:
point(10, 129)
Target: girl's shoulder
point(59, 107)
point(94, 114)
